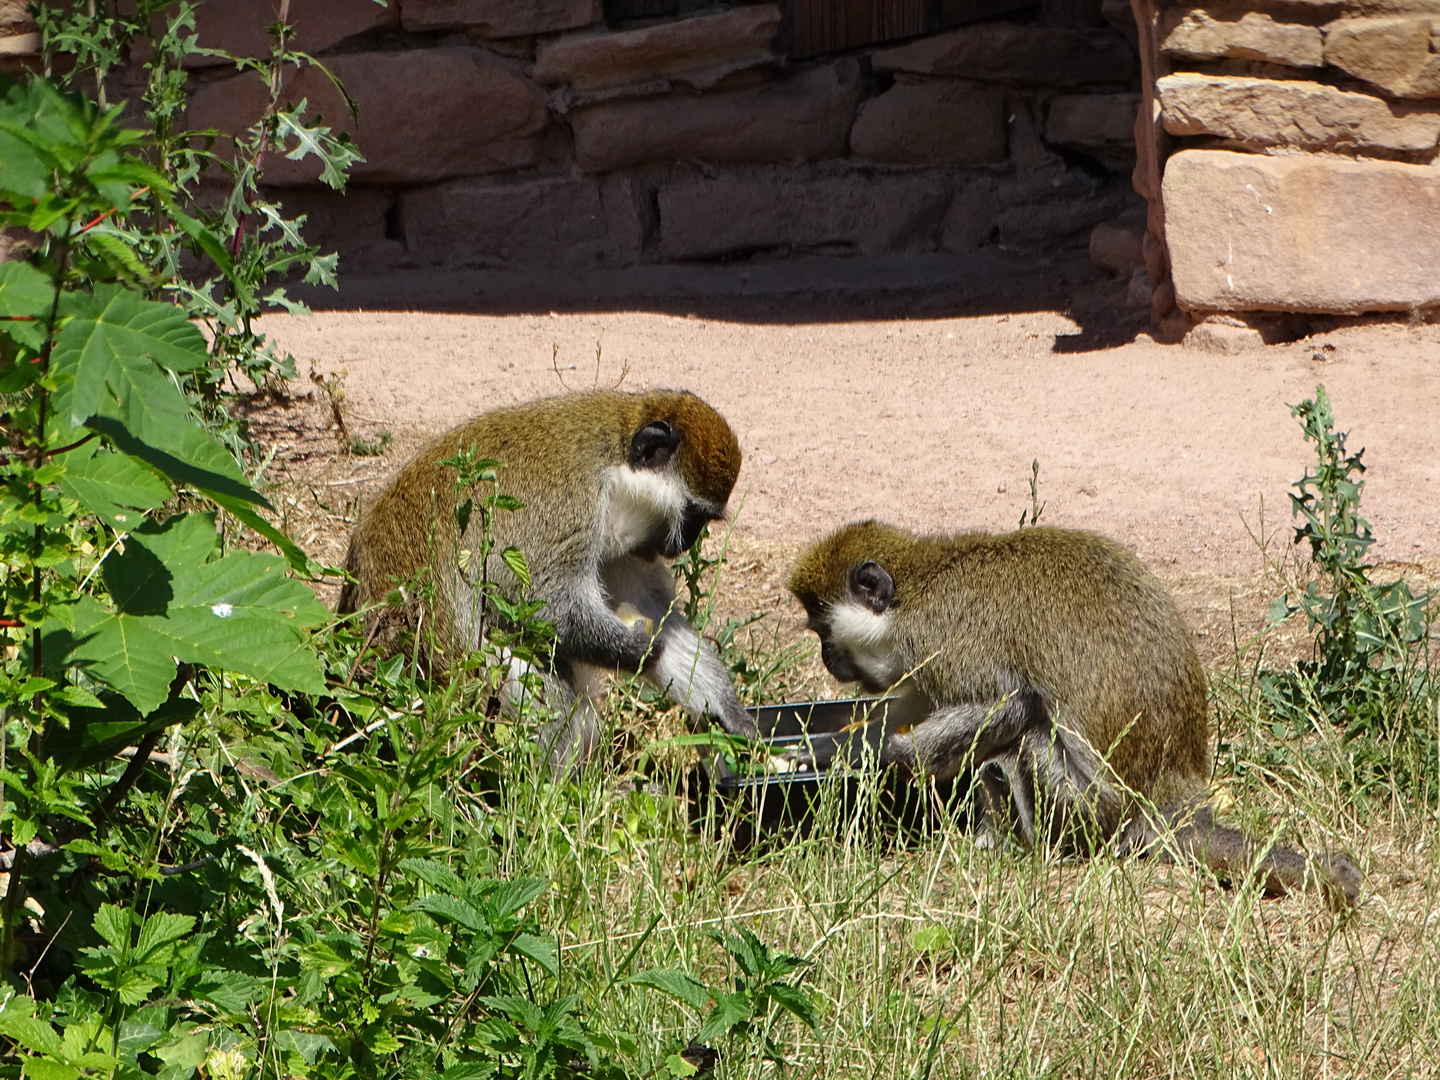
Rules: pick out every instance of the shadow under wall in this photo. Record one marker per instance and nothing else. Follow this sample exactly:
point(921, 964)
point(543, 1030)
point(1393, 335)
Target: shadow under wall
point(809, 289)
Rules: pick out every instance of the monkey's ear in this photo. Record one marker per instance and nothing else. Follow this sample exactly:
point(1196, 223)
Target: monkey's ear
point(872, 586)
point(654, 445)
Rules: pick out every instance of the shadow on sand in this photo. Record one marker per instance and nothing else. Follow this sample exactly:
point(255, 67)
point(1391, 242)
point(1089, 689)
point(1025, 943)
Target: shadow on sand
point(807, 289)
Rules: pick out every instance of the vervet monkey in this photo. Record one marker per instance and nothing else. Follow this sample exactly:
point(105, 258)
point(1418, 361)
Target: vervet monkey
point(1052, 666)
point(613, 485)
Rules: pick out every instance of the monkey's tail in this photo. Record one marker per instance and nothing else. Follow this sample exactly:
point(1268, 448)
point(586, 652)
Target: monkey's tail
point(1194, 833)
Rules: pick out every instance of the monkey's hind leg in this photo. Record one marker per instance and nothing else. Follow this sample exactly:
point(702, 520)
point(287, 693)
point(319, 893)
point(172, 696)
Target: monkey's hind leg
point(1050, 791)
point(1230, 854)
point(570, 731)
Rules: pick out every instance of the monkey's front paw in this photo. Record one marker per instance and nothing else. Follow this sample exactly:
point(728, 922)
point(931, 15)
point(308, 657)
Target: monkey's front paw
point(793, 762)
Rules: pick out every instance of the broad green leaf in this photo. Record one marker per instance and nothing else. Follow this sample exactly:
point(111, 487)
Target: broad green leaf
point(451, 908)
point(794, 1001)
point(125, 652)
point(135, 1036)
point(47, 1068)
point(677, 984)
point(518, 1009)
point(320, 956)
point(114, 330)
point(251, 583)
point(161, 929)
point(144, 414)
point(515, 560)
point(27, 293)
point(513, 895)
point(477, 963)
point(471, 1070)
point(19, 1022)
point(113, 924)
point(25, 168)
point(678, 1066)
point(381, 1041)
point(436, 875)
point(229, 991)
point(238, 612)
point(189, 1051)
point(730, 1010)
point(111, 486)
point(541, 950)
point(151, 430)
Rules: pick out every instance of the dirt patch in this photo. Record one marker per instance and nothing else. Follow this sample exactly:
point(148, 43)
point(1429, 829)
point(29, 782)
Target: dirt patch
point(920, 410)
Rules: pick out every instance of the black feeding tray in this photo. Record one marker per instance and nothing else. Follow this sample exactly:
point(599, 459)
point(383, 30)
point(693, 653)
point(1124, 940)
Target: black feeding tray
point(768, 805)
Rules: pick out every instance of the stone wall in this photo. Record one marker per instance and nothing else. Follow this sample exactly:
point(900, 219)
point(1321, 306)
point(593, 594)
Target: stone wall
point(1300, 139)
point(534, 134)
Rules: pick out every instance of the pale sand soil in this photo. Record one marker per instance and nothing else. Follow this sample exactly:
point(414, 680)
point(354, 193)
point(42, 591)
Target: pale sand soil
point(922, 409)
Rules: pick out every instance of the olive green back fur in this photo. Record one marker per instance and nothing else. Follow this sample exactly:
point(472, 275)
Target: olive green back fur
point(1070, 613)
point(554, 453)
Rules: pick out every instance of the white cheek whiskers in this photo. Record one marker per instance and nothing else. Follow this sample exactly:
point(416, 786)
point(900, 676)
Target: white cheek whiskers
point(635, 504)
point(864, 637)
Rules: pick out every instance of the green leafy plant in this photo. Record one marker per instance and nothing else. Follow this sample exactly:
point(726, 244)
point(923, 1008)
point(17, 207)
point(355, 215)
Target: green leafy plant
point(762, 991)
point(1031, 517)
point(1371, 670)
point(223, 261)
point(103, 597)
point(511, 627)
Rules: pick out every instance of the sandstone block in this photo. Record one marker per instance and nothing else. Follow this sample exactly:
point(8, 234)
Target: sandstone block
point(799, 209)
point(554, 221)
point(499, 18)
point(1118, 14)
point(20, 45)
point(1118, 245)
point(1102, 125)
point(1139, 292)
point(1006, 53)
point(799, 119)
point(1214, 335)
point(424, 114)
point(1265, 113)
point(354, 225)
point(726, 41)
point(1301, 233)
point(1236, 34)
point(241, 27)
point(1396, 54)
point(15, 18)
point(931, 123)
point(1053, 206)
point(971, 220)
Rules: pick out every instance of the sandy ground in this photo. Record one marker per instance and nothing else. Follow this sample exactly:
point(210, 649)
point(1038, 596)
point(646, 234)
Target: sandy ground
point(924, 406)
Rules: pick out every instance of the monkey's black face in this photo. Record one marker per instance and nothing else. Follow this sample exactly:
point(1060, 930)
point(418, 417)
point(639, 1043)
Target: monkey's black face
point(669, 543)
point(692, 524)
point(837, 661)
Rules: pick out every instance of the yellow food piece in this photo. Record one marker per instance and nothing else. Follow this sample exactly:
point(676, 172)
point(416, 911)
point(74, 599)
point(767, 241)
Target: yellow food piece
point(630, 615)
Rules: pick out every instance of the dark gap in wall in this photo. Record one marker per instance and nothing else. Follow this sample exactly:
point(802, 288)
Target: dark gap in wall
point(395, 221)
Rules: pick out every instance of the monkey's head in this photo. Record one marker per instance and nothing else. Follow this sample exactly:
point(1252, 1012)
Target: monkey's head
point(680, 467)
point(851, 583)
